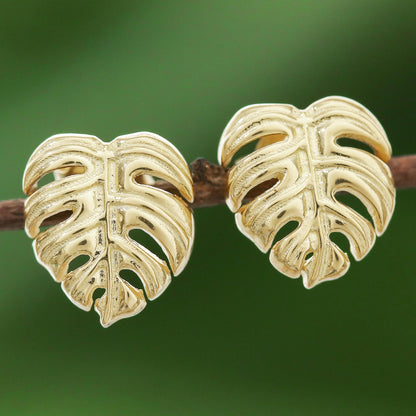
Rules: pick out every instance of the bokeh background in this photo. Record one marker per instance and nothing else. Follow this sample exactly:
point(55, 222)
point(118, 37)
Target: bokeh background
point(230, 336)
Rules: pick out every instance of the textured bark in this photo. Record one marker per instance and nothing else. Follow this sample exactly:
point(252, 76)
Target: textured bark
point(210, 183)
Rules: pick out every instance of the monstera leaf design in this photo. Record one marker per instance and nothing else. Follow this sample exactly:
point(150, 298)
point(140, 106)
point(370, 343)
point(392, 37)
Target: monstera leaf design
point(103, 186)
point(299, 149)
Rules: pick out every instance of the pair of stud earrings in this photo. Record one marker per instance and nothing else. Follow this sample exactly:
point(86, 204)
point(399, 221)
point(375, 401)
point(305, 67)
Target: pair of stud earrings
point(107, 190)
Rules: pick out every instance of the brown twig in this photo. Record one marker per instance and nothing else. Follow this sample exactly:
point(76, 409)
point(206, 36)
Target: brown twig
point(209, 189)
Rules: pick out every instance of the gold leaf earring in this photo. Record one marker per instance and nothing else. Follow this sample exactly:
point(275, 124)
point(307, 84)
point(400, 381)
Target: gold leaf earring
point(298, 153)
point(105, 189)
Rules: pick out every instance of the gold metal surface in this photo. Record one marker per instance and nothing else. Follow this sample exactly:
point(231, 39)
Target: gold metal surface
point(299, 149)
point(104, 187)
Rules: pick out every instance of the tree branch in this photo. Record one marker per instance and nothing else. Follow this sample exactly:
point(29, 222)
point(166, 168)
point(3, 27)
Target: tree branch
point(209, 188)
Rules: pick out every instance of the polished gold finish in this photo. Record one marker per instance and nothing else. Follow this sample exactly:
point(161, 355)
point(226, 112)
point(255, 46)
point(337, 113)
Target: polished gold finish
point(298, 149)
point(107, 189)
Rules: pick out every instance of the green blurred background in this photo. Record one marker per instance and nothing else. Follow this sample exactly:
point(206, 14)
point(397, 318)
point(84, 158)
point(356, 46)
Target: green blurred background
point(230, 336)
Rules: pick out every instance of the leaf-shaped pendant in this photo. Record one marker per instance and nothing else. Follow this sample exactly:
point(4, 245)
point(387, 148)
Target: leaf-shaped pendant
point(103, 187)
point(298, 149)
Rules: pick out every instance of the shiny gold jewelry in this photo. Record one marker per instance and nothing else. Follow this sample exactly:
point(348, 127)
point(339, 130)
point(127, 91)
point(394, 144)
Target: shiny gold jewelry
point(298, 149)
point(107, 189)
